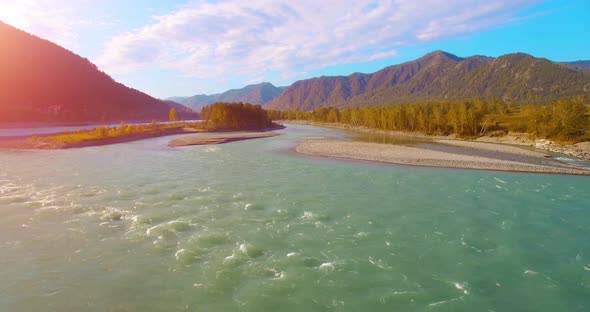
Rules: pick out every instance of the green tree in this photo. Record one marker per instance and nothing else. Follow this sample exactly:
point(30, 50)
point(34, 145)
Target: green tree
point(235, 116)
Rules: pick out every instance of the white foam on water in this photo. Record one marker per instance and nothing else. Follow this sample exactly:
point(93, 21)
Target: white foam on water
point(462, 287)
point(115, 214)
point(179, 225)
point(293, 254)
point(378, 263)
point(243, 248)
point(566, 159)
point(587, 268)
point(8, 188)
point(281, 211)
point(307, 215)
point(156, 230)
point(232, 260)
point(501, 181)
point(248, 206)
point(76, 230)
point(50, 294)
point(140, 219)
point(444, 301)
point(530, 272)
point(469, 246)
point(212, 149)
point(327, 267)
point(277, 274)
point(250, 250)
point(397, 293)
point(361, 234)
point(173, 226)
point(179, 254)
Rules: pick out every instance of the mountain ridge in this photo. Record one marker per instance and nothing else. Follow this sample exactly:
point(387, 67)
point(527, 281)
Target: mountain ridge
point(440, 75)
point(260, 93)
point(42, 81)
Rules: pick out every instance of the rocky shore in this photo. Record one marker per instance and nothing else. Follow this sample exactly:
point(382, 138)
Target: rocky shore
point(219, 138)
point(579, 150)
point(416, 156)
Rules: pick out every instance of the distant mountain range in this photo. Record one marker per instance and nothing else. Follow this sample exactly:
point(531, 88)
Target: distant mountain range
point(581, 65)
point(443, 76)
point(43, 82)
point(261, 93)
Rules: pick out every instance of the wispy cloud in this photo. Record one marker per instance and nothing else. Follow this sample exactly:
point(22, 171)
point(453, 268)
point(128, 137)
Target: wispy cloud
point(49, 19)
point(250, 40)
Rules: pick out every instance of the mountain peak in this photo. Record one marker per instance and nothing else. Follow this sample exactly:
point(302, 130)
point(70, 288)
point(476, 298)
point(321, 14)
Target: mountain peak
point(439, 54)
point(260, 93)
point(517, 56)
point(264, 83)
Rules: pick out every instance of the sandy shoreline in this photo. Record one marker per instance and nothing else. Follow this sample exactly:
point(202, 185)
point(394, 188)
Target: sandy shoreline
point(579, 150)
point(203, 137)
point(28, 143)
point(416, 156)
point(219, 138)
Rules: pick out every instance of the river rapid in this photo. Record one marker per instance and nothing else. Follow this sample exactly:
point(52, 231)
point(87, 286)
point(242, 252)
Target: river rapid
point(252, 226)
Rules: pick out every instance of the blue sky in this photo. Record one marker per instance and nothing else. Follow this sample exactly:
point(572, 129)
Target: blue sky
point(169, 48)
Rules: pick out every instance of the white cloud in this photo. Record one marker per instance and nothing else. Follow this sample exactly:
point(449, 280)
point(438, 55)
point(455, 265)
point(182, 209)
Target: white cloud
point(55, 20)
point(249, 40)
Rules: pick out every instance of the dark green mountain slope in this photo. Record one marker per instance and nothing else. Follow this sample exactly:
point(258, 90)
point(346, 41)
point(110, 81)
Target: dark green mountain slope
point(43, 82)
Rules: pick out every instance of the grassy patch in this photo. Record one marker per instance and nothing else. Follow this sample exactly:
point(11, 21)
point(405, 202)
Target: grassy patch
point(121, 131)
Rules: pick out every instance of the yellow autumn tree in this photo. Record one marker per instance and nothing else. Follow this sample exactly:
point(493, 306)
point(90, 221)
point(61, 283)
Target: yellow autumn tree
point(172, 115)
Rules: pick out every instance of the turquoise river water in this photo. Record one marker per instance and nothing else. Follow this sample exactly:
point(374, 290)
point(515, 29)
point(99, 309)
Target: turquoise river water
point(252, 226)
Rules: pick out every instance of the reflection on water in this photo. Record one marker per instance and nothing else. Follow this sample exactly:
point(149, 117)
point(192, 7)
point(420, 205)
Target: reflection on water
point(386, 139)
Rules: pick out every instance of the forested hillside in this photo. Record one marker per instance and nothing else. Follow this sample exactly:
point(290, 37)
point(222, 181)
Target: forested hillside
point(43, 82)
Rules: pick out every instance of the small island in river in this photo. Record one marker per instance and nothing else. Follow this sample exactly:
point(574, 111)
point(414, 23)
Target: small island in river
point(223, 122)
